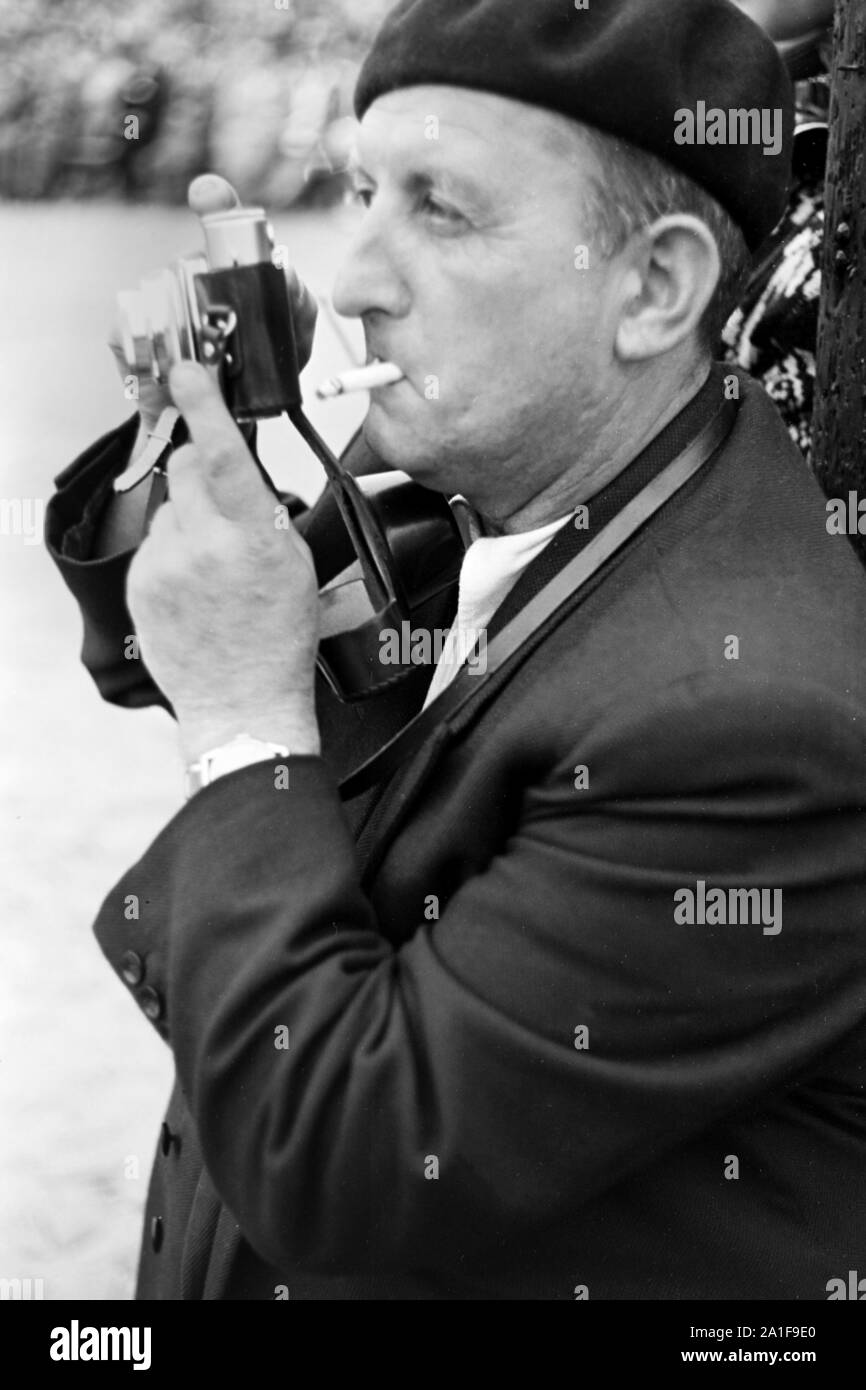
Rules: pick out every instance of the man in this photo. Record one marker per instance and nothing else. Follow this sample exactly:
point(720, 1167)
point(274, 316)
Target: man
point(573, 1006)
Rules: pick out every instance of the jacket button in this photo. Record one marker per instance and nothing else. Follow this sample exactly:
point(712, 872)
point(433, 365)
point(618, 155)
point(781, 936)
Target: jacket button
point(151, 1003)
point(132, 967)
point(167, 1138)
point(156, 1234)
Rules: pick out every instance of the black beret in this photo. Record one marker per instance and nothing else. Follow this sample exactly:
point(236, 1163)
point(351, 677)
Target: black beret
point(633, 68)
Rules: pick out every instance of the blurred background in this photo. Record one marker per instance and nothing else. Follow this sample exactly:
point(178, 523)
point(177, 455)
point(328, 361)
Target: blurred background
point(260, 92)
point(132, 98)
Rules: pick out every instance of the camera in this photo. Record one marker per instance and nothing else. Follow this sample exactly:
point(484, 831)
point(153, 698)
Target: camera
point(228, 309)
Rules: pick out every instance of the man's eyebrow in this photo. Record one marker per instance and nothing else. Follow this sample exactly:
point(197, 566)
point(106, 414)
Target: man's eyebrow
point(425, 177)
point(450, 182)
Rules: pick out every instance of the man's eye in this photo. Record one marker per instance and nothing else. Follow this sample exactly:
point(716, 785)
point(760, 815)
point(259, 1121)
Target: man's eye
point(441, 212)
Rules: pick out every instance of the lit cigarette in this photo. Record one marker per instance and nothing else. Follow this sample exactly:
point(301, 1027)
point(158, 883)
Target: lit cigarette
point(360, 379)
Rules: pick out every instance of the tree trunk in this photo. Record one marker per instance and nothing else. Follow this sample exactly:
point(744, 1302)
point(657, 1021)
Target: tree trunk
point(839, 424)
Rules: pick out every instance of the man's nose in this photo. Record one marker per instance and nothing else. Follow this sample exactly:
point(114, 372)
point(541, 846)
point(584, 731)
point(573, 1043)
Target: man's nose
point(370, 279)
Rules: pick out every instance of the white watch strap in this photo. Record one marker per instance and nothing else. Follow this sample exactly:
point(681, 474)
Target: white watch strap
point(241, 751)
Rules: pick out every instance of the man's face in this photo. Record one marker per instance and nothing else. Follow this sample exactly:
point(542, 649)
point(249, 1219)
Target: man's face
point(467, 272)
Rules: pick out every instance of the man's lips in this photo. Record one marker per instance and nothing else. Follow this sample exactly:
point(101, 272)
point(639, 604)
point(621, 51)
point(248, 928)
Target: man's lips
point(376, 359)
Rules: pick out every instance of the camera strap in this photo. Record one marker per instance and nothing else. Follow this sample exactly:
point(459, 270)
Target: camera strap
point(515, 637)
point(159, 441)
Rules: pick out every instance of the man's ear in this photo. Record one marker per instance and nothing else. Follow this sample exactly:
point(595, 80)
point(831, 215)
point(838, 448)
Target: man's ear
point(671, 272)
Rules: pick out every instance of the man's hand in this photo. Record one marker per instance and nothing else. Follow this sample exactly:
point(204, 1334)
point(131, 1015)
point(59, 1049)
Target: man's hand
point(223, 591)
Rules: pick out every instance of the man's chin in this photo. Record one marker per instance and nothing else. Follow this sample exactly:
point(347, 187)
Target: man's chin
point(398, 448)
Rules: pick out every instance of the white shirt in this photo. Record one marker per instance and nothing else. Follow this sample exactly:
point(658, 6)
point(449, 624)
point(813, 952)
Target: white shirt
point(490, 569)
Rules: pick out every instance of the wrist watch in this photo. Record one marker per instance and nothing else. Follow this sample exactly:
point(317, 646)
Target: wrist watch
point(241, 751)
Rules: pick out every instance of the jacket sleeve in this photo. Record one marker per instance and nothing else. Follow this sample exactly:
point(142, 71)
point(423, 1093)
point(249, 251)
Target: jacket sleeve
point(326, 1067)
point(99, 585)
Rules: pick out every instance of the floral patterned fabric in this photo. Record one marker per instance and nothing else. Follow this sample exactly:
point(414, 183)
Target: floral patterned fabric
point(773, 334)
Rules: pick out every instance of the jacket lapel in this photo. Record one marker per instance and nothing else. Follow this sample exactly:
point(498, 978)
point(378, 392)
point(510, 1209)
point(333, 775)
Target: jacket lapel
point(391, 803)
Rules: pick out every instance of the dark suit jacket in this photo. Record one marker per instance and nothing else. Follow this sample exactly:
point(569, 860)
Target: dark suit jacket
point(510, 1072)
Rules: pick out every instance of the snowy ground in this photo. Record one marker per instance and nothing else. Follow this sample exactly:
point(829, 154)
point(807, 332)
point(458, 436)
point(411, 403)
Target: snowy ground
point(85, 787)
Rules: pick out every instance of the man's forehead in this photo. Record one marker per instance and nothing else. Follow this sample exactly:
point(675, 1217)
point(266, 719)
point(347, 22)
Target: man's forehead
point(461, 124)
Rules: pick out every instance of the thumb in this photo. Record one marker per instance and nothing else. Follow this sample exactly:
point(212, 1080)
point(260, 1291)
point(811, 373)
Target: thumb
point(211, 193)
point(225, 468)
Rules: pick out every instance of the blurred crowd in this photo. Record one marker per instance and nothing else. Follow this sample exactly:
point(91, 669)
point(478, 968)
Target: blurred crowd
point(134, 97)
